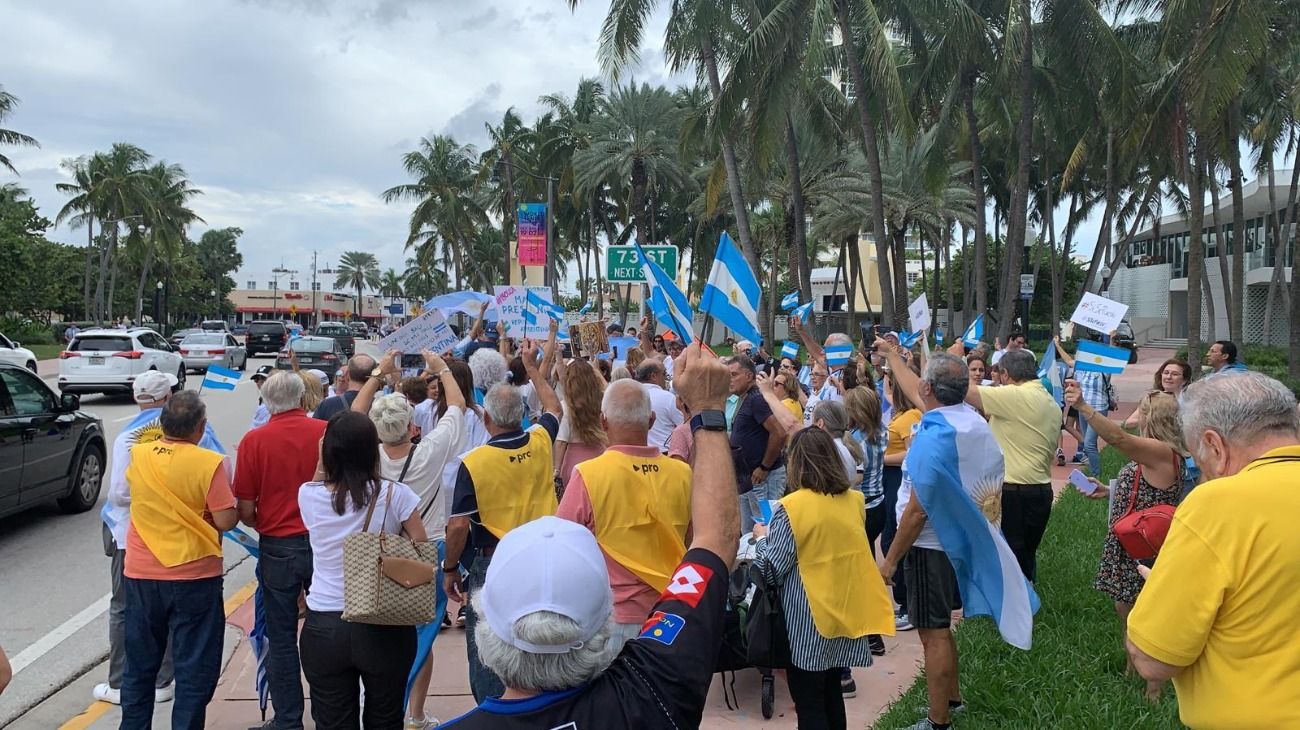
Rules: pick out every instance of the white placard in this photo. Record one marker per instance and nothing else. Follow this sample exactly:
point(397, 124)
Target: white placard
point(1099, 313)
point(919, 312)
point(510, 308)
point(429, 330)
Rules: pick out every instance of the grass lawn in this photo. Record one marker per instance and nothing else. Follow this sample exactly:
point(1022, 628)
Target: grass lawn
point(1074, 676)
point(45, 352)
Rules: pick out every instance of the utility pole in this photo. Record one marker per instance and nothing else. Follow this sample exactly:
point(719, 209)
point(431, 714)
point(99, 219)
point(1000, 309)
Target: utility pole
point(276, 273)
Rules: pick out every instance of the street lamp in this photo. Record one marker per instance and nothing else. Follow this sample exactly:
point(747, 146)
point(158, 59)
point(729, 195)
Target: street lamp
point(157, 304)
point(547, 274)
point(216, 307)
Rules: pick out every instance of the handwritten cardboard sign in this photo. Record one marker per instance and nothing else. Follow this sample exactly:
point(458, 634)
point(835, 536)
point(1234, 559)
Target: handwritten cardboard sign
point(1099, 313)
point(429, 330)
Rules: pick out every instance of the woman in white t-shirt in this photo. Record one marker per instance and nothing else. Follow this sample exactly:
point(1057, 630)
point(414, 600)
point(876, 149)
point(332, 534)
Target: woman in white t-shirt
point(419, 466)
point(336, 652)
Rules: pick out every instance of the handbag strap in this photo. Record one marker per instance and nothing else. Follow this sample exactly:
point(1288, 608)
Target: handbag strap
point(402, 477)
point(1137, 481)
point(370, 512)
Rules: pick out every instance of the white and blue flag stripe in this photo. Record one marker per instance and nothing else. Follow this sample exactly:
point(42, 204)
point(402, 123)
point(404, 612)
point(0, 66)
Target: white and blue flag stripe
point(790, 301)
point(219, 378)
point(838, 355)
point(463, 302)
point(974, 333)
point(731, 293)
point(790, 349)
point(803, 312)
point(1099, 358)
point(955, 467)
point(668, 303)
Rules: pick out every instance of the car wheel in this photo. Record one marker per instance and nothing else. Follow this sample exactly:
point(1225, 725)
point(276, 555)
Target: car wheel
point(31, 365)
point(87, 478)
point(180, 380)
point(243, 364)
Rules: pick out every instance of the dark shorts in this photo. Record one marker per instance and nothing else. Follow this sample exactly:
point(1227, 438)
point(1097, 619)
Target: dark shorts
point(931, 588)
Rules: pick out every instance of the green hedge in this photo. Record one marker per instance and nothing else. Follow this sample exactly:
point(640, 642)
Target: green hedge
point(1074, 675)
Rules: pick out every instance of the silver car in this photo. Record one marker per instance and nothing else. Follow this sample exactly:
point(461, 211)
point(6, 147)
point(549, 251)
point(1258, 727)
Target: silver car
point(213, 348)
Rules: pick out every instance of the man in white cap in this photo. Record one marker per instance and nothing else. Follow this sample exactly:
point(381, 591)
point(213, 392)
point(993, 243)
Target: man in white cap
point(261, 415)
point(152, 389)
point(548, 609)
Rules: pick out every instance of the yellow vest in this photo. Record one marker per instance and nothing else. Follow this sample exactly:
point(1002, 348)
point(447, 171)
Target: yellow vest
point(642, 507)
point(513, 486)
point(846, 595)
point(169, 484)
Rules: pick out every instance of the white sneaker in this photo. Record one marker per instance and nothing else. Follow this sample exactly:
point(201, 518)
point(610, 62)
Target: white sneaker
point(164, 694)
point(105, 693)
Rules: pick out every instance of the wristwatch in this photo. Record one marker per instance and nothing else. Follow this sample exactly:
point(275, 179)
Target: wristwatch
point(377, 372)
point(709, 421)
point(452, 569)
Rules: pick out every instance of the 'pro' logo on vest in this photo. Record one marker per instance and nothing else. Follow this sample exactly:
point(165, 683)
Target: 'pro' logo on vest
point(521, 457)
point(645, 468)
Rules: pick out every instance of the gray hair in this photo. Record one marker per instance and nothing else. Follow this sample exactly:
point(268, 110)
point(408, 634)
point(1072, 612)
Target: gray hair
point(182, 414)
point(620, 373)
point(391, 415)
point(649, 369)
point(489, 367)
point(1241, 407)
point(833, 415)
point(545, 672)
point(505, 404)
point(838, 338)
point(282, 392)
point(949, 379)
point(626, 404)
point(1019, 365)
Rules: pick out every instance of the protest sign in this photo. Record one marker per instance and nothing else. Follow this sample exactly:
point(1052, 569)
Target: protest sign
point(919, 312)
point(1099, 313)
point(588, 338)
point(429, 330)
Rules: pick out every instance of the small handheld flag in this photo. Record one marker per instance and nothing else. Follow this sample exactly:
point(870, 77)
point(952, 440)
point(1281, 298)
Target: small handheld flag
point(667, 302)
point(804, 313)
point(790, 301)
point(585, 308)
point(731, 293)
point(838, 355)
point(908, 339)
point(974, 333)
point(1050, 375)
point(1099, 358)
point(219, 378)
point(790, 349)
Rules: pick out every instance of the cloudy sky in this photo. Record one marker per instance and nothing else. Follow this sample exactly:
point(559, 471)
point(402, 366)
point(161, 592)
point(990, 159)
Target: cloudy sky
point(291, 115)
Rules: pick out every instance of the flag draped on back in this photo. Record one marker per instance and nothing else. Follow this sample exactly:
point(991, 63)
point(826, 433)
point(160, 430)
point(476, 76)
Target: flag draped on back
point(955, 467)
point(731, 293)
point(667, 302)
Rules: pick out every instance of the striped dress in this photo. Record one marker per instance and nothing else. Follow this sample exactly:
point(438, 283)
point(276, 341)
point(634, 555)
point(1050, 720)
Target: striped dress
point(777, 564)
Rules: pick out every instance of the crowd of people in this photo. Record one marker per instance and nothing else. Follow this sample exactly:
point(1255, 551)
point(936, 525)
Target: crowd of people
point(586, 515)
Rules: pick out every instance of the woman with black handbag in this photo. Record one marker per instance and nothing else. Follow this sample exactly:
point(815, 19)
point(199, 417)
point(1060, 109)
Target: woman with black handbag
point(816, 557)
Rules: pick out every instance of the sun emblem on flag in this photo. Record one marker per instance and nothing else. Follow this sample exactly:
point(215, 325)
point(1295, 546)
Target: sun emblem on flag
point(146, 434)
point(734, 296)
point(988, 497)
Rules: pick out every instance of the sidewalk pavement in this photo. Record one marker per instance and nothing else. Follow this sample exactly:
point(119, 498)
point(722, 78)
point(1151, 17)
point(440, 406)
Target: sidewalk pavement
point(48, 369)
point(235, 705)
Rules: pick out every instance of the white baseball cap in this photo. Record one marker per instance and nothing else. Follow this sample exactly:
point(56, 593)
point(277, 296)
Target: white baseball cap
point(549, 564)
point(153, 386)
point(321, 376)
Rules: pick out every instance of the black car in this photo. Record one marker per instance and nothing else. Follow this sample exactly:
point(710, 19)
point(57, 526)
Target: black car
point(359, 329)
point(340, 332)
point(180, 335)
point(322, 353)
point(266, 335)
point(49, 448)
point(1123, 338)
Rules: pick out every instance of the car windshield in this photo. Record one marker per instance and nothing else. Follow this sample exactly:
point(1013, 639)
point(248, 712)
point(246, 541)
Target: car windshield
point(333, 329)
point(312, 345)
point(204, 340)
point(265, 327)
point(101, 343)
point(214, 326)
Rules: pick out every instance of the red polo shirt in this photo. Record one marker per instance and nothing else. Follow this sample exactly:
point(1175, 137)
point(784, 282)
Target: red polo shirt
point(272, 462)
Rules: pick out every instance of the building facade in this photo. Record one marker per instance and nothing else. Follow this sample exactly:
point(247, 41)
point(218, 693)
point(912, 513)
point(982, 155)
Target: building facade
point(1152, 279)
point(294, 297)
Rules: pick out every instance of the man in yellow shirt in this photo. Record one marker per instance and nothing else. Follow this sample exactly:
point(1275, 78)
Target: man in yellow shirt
point(1218, 614)
point(1026, 421)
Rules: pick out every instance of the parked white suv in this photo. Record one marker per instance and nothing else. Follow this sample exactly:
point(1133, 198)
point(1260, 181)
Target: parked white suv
point(105, 361)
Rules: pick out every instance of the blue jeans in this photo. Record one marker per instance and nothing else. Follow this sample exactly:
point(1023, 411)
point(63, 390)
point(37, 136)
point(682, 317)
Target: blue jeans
point(1090, 451)
point(773, 487)
point(483, 682)
point(284, 571)
point(191, 612)
point(428, 633)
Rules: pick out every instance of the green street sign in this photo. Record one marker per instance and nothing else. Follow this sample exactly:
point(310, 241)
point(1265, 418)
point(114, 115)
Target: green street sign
point(623, 265)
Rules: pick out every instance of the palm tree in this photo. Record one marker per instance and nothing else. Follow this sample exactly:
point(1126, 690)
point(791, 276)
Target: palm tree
point(391, 285)
point(357, 269)
point(166, 214)
point(8, 136)
point(80, 211)
point(510, 141)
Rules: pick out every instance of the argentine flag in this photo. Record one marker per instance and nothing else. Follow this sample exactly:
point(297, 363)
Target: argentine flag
point(731, 293)
point(790, 349)
point(974, 333)
point(463, 302)
point(909, 339)
point(804, 313)
point(1050, 374)
point(219, 378)
point(1099, 358)
point(955, 469)
point(585, 308)
point(538, 303)
point(838, 355)
point(790, 301)
point(667, 302)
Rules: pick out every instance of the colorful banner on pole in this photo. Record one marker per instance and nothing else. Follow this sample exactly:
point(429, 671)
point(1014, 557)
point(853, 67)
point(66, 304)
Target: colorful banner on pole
point(532, 234)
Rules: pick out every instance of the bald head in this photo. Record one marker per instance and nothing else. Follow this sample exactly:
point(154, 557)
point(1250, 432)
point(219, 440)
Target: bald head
point(625, 412)
point(359, 368)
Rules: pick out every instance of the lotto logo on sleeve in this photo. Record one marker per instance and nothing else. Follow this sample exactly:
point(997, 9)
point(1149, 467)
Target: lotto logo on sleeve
point(662, 627)
point(687, 584)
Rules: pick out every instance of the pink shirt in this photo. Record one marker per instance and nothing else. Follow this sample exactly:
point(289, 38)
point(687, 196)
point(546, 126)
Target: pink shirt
point(681, 442)
point(633, 599)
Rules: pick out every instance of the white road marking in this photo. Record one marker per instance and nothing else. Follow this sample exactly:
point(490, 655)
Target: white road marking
point(125, 418)
point(45, 644)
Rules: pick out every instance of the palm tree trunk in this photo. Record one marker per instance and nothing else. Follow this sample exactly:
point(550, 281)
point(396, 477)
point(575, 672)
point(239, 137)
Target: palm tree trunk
point(871, 143)
point(947, 272)
point(102, 279)
point(1278, 245)
point(1018, 222)
point(85, 274)
point(1233, 133)
point(792, 262)
point(802, 274)
point(144, 275)
point(967, 274)
point(1230, 303)
point(1195, 251)
point(640, 214)
point(853, 283)
point(981, 265)
point(1104, 233)
point(508, 217)
point(738, 206)
point(112, 277)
